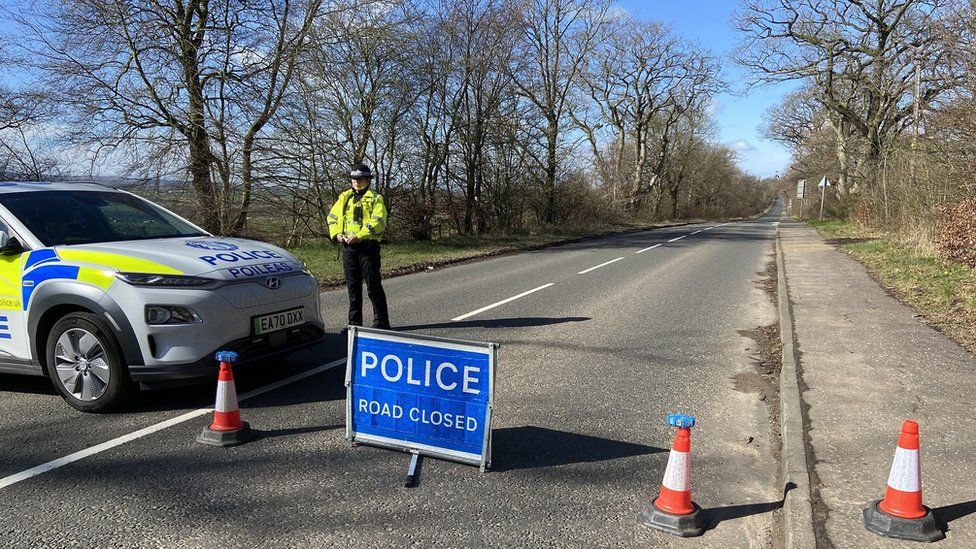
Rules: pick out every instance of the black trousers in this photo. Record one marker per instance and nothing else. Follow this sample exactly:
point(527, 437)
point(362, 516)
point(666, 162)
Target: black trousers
point(361, 261)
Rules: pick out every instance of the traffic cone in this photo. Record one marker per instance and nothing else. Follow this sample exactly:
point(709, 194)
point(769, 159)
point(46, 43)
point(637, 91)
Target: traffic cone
point(673, 511)
point(901, 513)
point(227, 428)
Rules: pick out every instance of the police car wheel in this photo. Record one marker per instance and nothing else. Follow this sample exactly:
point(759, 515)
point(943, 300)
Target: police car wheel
point(85, 363)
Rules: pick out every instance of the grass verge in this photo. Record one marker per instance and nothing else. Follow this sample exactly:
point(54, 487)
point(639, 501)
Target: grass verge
point(943, 292)
point(407, 257)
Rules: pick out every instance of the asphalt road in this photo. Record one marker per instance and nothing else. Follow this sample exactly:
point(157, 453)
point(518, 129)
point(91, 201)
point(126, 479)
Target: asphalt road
point(588, 369)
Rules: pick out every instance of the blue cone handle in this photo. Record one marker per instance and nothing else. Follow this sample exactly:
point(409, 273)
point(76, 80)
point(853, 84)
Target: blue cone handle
point(681, 421)
point(231, 357)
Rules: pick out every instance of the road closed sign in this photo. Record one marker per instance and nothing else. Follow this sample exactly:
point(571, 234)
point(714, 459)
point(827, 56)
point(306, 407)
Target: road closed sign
point(422, 394)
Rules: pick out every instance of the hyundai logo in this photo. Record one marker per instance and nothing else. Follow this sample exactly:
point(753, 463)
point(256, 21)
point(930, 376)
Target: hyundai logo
point(272, 282)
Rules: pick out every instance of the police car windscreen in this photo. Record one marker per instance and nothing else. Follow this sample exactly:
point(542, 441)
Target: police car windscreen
point(82, 217)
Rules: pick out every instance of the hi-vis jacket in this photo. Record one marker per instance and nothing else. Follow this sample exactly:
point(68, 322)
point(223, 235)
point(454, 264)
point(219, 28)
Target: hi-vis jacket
point(361, 217)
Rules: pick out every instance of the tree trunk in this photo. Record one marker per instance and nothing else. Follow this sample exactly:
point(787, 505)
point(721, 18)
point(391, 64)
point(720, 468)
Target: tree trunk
point(552, 137)
point(201, 156)
point(675, 207)
point(247, 181)
point(469, 197)
point(843, 164)
point(618, 161)
point(867, 166)
point(640, 144)
point(198, 139)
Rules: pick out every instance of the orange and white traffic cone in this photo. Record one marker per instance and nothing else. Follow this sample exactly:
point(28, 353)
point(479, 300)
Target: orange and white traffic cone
point(227, 428)
point(901, 513)
point(673, 511)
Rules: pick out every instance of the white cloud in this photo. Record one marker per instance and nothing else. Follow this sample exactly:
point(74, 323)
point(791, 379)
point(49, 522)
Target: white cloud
point(741, 145)
point(617, 13)
point(714, 107)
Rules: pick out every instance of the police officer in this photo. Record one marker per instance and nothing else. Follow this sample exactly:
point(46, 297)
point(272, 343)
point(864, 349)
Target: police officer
point(356, 221)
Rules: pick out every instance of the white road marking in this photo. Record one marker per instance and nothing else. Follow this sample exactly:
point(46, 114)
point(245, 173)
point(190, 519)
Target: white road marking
point(502, 302)
point(600, 265)
point(135, 435)
point(677, 239)
point(694, 233)
point(645, 249)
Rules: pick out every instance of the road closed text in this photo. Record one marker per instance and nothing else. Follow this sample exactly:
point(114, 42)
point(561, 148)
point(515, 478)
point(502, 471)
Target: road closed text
point(435, 418)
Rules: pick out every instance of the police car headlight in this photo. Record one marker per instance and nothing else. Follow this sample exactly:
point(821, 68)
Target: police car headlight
point(170, 314)
point(164, 281)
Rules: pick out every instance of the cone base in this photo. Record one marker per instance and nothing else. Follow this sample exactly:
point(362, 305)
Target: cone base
point(685, 526)
point(213, 437)
point(890, 526)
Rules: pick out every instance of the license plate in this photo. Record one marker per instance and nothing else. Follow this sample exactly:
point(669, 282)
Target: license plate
point(277, 321)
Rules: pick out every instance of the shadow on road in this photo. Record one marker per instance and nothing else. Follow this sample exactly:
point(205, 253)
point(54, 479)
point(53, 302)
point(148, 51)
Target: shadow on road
point(26, 384)
point(323, 387)
point(948, 513)
point(531, 447)
point(717, 515)
point(523, 322)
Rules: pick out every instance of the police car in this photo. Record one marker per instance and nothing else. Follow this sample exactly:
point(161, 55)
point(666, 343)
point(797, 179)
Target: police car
point(103, 291)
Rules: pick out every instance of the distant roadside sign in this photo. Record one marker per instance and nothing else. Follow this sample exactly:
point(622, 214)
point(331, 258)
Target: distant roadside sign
point(801, 187)
point(421, 394)
point(824, 183)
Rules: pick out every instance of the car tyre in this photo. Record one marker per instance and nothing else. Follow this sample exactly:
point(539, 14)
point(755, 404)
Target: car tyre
point(85, 363)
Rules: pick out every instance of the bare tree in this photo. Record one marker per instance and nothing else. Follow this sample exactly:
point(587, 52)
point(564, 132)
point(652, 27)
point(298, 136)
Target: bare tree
point(483, 29)
point(867, 61)
point(138, 73)
point(627, 84)
point(641, 82)
point(558, 35)
point(258, 82)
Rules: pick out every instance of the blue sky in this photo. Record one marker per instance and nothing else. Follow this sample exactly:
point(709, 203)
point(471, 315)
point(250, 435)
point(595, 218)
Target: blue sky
point(738, 115)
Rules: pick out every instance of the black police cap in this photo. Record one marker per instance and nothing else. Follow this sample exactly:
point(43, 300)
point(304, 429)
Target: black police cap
point(360, 171)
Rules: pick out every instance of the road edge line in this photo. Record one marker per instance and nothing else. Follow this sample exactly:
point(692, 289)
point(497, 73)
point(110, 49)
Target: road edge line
point(797, 504)
point(79, 455)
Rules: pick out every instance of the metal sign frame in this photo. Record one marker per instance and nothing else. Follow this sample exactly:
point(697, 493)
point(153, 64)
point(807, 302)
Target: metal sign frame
point(483, 462)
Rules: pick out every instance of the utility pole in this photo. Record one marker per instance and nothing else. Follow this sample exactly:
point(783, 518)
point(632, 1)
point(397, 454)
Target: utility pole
point(916, 113)
point(823, 193)
point(824, 183)
point(801, 187)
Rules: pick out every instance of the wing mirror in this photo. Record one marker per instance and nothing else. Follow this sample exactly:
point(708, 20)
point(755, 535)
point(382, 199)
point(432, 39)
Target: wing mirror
point(9, 245)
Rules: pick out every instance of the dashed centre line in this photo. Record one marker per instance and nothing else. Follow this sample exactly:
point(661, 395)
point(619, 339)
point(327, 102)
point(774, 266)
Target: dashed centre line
point(648, 248)
point(678, 238)
point(694, 233)
point(600, 265)
point(502, 302)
